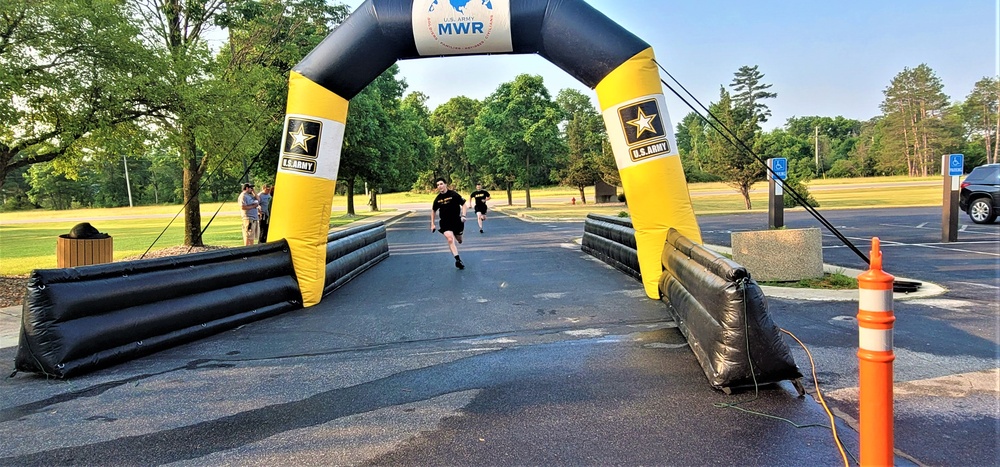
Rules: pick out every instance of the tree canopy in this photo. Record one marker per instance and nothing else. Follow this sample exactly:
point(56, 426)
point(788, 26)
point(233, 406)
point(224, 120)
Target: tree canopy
point(88, 87)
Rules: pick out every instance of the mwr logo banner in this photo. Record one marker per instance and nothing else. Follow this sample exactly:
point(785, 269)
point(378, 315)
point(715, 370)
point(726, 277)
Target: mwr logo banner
point(639, 130)
point(311, 146)
point(461, 27)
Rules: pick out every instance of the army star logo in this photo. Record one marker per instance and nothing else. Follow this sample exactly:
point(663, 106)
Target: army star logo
point(299, 138)
point(643, 123)
point(643, 130)
point(302, 137)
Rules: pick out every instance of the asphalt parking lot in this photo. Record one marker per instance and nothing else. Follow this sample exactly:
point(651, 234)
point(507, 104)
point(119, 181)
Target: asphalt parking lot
point(534, 354)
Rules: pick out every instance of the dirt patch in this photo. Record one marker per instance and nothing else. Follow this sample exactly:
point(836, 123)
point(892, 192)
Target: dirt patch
point(13, 288)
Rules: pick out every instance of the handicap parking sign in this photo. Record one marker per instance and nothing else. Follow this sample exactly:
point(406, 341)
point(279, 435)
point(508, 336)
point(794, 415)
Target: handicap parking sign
point(779, 165)
point(956, 163)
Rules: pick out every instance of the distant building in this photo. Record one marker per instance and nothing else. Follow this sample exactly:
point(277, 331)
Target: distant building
point(605, 193)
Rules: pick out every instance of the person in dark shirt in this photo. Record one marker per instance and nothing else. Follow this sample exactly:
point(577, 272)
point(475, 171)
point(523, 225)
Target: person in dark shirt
point(452, 208)
point(265, 211)
point(480, 196)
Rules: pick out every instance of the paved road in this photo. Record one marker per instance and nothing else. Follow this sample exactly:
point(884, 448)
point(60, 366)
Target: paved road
point(535, 354)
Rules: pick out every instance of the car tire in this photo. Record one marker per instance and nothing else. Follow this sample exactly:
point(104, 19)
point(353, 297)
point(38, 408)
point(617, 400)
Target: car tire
point(981, 211)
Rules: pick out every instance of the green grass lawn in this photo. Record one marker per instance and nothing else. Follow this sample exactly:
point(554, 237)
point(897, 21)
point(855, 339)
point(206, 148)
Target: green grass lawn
point(718, 198)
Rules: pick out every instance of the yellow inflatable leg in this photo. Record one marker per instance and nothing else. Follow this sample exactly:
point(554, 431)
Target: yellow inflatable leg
point(307, 176)
point(642, 138)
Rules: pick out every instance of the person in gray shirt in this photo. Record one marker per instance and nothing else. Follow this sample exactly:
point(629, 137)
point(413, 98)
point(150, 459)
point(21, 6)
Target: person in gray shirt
point(251, 221)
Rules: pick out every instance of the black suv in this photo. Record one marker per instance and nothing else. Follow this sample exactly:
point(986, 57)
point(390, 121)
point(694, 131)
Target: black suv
point(980, 196)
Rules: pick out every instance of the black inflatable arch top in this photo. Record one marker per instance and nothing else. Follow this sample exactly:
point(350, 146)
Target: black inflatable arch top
point(550, 28)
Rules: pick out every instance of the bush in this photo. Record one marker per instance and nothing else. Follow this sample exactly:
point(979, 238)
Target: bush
point(623, 214)
point(794, 183)
point(697, 176)
point(842, 168)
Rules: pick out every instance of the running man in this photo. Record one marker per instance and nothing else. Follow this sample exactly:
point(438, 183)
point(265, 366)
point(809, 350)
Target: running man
point(452, 207)
point(480, 196)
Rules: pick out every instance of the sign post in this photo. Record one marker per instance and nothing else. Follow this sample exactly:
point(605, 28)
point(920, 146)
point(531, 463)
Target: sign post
point(952, 166)
point(776, 192)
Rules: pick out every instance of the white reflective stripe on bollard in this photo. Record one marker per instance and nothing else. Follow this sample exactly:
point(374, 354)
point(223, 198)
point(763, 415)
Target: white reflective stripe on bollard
point(878, 340)
point(875, 300)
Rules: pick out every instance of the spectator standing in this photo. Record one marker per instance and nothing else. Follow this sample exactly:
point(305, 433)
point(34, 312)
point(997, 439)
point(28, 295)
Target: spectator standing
point(251, 221)
point(265, 211)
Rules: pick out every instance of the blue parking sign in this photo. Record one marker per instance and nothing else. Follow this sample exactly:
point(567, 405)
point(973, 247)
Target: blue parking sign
point(779, 165)
point(956, 164)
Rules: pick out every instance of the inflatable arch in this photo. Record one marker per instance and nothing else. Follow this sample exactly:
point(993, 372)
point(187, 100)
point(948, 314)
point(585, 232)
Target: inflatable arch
point(569, 33)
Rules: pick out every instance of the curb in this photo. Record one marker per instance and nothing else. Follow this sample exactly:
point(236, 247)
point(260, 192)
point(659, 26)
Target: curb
point(10, 326)
point(927, 289)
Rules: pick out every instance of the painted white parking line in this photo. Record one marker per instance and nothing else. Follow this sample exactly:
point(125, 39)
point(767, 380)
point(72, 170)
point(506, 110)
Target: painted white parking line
point(934, 246)
point(890, 243)
point(961, 228)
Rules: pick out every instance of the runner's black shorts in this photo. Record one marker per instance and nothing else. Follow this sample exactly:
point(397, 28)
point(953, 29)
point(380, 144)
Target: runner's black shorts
point(481, 209)
point(456, 226)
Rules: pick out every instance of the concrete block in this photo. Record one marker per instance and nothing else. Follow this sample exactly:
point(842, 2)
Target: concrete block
point(780, 255)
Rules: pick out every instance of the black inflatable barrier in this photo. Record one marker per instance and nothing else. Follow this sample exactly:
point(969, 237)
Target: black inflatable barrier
point(612, 240)
point(352, 251)
point(76, 320)
point(723, 315)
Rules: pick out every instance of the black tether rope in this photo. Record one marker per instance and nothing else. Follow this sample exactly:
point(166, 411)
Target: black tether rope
point(732, 139)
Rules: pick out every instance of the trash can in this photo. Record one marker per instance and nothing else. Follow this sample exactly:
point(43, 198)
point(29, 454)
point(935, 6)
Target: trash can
point(83, 245)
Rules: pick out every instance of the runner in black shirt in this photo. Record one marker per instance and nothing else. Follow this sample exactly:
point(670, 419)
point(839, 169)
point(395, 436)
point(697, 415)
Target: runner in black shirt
point(480, 196)
point(452, 207)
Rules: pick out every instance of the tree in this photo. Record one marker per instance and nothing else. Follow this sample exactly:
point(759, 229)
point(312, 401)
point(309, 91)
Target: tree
point(175, 30)
point(373, 142)
point(414, 125)
point(584, 134)
point(727, 157)
point(749, 92)
point(216, 102)
point(266, 38)
point(828, 140)
point(449, 127)
point(692, 145)
point(981, 115)
point(914, 109)
point(51, 188)
point(72, 72)
point(518, 127)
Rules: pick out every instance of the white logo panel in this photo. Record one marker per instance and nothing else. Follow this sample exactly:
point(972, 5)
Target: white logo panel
point(311, 146)
point(461, 27)
point(639, 130)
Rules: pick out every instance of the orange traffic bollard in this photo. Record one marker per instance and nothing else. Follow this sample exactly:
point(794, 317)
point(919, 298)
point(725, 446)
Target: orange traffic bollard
point(875, 358)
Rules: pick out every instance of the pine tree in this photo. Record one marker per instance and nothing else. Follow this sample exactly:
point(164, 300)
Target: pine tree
point(750, 91)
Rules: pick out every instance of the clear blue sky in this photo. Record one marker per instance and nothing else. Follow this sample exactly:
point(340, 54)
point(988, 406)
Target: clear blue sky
point(824, 58)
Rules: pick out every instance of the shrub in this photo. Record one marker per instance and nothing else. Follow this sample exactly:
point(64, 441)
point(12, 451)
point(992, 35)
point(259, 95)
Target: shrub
point(795, 184)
